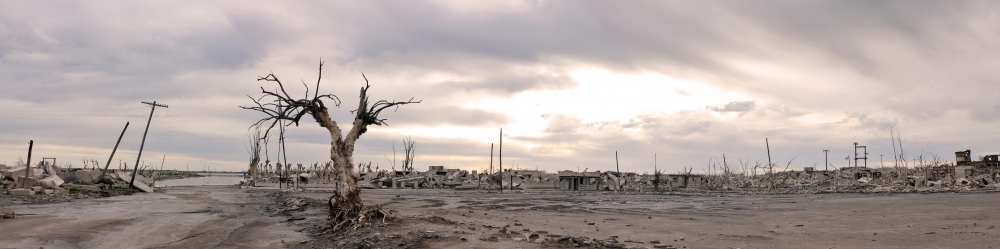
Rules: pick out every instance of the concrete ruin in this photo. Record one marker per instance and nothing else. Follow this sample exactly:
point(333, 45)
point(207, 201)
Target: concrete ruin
point(965, 173)
point(45, 178)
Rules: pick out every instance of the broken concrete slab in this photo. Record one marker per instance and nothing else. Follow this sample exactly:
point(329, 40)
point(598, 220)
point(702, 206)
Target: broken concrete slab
point(22, 192)
point(13, 173)
point(60, 191)
point(138, 184)
point(21, 182)
point(52, 181)
point(90, 188)
point(87, 176)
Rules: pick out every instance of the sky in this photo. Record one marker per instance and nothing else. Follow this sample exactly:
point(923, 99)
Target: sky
point(663, 84)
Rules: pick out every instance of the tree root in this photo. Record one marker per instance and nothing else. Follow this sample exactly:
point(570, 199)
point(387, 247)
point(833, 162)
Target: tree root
point(349, 215)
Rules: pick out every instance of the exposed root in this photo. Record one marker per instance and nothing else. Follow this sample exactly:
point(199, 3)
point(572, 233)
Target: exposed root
point(351, 215)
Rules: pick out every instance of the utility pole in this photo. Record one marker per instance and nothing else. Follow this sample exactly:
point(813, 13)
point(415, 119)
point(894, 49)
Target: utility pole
point(152, 107)
point(501, 160)
point(769, 165)
point(281, 140)
point(116, 147)
point(488, 182)
point(27, 165)
point(618, 182)
point(616, 164)
point(826, 161)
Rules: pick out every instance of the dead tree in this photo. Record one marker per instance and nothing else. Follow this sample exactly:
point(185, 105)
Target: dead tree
point(346, 208)
point(253, 148)
point(409, 154)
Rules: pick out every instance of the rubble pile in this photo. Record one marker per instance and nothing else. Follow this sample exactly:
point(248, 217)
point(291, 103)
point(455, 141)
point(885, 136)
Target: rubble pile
point(48, 179)
point(926, 178)
point(436, 177)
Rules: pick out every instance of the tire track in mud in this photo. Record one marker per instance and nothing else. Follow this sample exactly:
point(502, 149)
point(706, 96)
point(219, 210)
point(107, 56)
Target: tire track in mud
point(231, 224)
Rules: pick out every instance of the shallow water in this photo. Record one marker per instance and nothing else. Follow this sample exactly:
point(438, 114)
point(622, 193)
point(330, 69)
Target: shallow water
point(201, 181)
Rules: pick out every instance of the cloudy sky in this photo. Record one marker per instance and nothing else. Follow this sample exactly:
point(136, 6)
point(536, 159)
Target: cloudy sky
point(570, 82)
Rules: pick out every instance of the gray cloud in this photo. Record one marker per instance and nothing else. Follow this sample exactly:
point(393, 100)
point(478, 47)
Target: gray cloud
point(926, 67)
point(735, 106)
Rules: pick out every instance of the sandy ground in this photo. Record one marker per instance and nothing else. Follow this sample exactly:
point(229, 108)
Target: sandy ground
point(228, 217)
point(940, 220)
point(183, 217)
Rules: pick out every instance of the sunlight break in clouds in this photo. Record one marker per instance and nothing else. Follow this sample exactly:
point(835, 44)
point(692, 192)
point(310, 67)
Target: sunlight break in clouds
point(603, 96)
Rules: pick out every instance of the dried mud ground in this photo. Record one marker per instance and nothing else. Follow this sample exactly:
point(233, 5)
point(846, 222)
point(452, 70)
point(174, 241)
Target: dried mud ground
point(229, 217)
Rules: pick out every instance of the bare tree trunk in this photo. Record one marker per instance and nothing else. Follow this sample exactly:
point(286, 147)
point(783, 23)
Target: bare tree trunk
point(346, 208)
point(347, 198)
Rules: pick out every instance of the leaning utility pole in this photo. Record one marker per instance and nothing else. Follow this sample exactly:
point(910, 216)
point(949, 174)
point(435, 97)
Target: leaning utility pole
point(115, 149)
point(152, 107)
point(769, 164)
point(501, 161)
point(27, 165)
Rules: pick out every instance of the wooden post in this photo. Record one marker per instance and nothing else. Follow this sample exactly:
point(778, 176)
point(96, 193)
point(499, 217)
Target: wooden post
point(618, 182)
point(501, 160)
point(27, 165)
point(152, 108)
point(116, 147)
point(488, 182)
point(616, 163)
point(768, 152)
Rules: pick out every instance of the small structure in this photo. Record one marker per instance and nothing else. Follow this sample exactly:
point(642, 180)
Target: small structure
point(963, 157)
point(860, 172)
point(569, 180)
point(943, 172)
point(684, 181)
point(436, 170)
point(964, 171)
point(990, 163)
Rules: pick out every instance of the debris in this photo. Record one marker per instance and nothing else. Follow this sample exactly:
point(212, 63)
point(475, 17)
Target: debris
point(22, 192)
point(51, 181)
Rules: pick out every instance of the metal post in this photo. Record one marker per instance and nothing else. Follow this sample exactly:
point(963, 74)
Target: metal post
point(855, 154)
point(865, 148)
point(115, 149)
point(152, 107)
point(27, 165)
